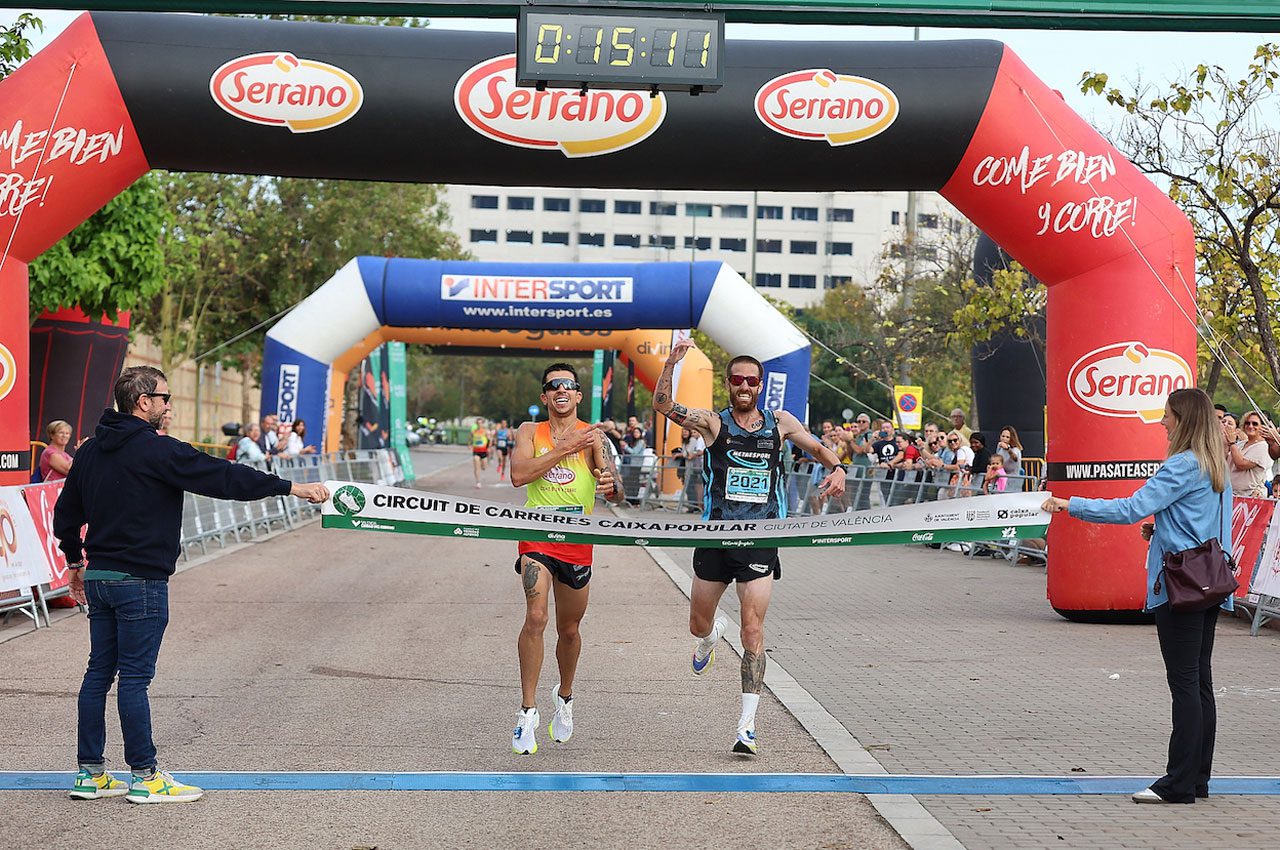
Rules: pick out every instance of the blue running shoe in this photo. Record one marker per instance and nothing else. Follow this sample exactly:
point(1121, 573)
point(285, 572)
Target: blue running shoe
point(704, 650)
point(746, 743)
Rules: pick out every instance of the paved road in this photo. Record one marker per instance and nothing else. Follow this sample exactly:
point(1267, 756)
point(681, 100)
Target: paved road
point(940, 664)
point(331, 650)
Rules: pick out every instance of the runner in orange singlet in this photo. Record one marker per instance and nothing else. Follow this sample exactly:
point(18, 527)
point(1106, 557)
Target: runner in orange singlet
point(565, 465)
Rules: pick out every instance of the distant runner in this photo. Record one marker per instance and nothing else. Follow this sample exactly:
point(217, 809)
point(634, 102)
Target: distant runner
point(479, 449)
point(502, 442)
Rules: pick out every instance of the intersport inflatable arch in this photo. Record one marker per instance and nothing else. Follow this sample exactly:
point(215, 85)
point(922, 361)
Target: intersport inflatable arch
point(119, 93)
point(578, 306)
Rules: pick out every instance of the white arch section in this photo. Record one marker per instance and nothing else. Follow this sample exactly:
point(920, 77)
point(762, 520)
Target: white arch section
point(631, 307)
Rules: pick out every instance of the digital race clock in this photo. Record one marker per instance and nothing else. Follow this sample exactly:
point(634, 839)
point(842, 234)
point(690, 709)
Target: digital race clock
point(620, 49)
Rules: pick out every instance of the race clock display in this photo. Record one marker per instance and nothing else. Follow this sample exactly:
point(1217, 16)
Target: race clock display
point(620, 49)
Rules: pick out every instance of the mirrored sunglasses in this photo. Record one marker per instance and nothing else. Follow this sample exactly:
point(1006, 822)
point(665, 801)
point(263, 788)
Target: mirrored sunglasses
point(750, 380)
point(560, 384)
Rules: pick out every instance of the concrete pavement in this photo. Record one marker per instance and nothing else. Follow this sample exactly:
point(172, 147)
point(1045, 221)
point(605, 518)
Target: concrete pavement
point(381, 652)
point(327, 650)
point(939, 664)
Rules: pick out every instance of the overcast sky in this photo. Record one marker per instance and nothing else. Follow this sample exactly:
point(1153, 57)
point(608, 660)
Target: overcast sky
point(1058, 57)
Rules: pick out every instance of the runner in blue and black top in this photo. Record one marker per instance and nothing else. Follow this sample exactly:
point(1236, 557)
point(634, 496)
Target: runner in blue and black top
point(744, 472)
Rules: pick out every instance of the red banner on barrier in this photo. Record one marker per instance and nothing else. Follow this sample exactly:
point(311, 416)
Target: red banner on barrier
point(1250, 519)
point(40, 501)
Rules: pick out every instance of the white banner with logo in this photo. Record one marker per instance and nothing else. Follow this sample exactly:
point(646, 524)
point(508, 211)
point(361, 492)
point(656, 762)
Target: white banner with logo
point(22, 559)
point(1266, 578)
point(371, 508)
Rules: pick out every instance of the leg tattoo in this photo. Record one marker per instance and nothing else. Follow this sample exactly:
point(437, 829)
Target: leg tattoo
point(529, 570)
point(752, 671)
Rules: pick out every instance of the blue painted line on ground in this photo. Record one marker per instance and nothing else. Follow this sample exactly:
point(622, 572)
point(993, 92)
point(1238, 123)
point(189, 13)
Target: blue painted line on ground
point(661, 782)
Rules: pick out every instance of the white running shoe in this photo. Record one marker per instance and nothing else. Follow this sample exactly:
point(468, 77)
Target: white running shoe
point(704, 649)
point(746, 743)
point(561, 726)
point(523, 742)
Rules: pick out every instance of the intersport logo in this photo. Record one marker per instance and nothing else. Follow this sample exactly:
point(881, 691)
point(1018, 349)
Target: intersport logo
point(560, 290)
point(818, 103)
point(1127, 379)
point(279, 89)
point(578, 125)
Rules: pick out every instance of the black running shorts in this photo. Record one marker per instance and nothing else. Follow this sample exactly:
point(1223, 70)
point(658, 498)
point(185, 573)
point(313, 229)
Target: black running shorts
point(574, 575)
point(729, 565)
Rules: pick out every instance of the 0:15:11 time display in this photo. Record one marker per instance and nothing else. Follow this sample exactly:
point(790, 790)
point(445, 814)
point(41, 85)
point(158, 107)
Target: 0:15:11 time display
point(620, 47)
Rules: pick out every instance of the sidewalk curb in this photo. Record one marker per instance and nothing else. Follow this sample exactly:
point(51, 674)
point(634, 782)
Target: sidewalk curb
point(902, 811)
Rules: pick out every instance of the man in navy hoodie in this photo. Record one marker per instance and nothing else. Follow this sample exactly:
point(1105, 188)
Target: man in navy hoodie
point(127, 484)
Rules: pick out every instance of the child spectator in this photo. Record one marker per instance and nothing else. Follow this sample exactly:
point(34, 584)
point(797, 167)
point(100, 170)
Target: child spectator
point(996, 479)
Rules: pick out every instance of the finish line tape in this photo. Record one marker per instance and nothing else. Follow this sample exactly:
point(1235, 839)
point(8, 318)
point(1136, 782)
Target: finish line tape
point(657, 782)
point(368, 507)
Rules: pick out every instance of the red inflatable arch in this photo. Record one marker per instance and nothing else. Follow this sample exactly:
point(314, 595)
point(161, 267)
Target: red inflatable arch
point(117, 94)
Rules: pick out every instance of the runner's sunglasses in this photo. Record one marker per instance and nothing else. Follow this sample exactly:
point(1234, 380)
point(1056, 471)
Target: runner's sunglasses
point(736, 380)
point(560, 384)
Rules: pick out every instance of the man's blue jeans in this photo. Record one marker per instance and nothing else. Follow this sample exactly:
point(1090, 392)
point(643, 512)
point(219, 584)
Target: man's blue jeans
point(126, 624)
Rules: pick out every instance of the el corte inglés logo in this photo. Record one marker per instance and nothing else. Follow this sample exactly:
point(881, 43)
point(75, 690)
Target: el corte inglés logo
point(279, 89)
point(598, 122)
point(1127, 379)
point(348, 500)
point(818, 104)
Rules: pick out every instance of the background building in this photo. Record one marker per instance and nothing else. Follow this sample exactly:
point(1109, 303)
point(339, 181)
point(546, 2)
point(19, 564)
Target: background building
point(792, 245)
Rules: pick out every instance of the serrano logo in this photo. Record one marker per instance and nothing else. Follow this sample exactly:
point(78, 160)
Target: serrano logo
point(598, 122)
point(820, 104)
point(560, 475)
point(8, 371)
point(1127, 379)
point(279, 89)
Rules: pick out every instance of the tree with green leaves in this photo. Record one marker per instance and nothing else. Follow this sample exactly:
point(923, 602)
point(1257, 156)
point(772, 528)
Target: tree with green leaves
point(899, 321)
point(15, 47)
point(111, 262)
point(243, 249)
point(1211, 137)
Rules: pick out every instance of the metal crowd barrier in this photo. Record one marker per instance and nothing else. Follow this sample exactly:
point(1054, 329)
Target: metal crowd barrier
point(206, 520)
point(866, 487)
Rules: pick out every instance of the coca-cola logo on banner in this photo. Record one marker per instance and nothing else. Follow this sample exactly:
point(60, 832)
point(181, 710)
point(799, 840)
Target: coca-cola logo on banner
point(818, 104)
point(1127, 379)
point(599, 122)
point(279, 89)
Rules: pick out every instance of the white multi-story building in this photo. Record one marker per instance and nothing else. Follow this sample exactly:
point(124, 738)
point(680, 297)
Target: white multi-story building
point(792, 245)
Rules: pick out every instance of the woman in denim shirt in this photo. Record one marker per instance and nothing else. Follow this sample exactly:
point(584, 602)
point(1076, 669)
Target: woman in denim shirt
point(1190, 498)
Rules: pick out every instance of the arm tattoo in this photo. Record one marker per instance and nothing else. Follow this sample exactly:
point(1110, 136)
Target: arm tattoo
point(752, 671)
point(529, 569)
point(678, 414)
point(660, 398)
